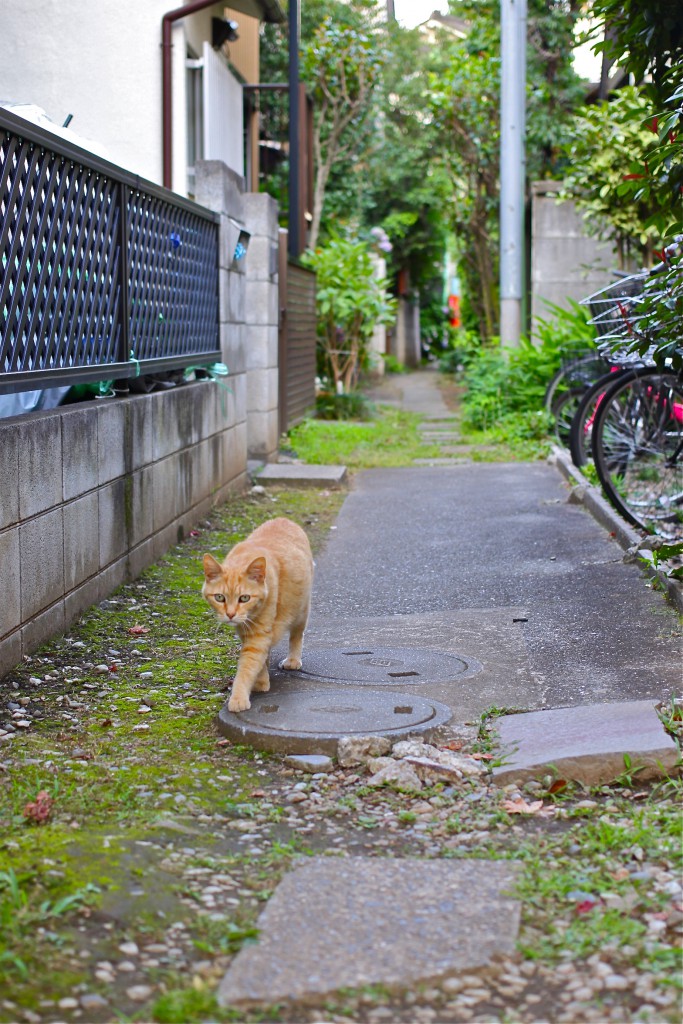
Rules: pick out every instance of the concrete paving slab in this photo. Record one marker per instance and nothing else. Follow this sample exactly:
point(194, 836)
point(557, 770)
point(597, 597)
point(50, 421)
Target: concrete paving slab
point(313, 720)
point(489, 641)
point(441, 461)
point(337, 923)
point(296, 475)
point(585, 744)
point(495, 535)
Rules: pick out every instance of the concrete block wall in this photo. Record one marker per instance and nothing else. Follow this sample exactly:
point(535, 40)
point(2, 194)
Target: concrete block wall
point(261, 326)
point(249, 298)
point(566, 262)
point(91, 494)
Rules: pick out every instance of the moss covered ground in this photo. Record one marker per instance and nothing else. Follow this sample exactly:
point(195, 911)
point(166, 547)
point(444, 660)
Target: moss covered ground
point(128, 888)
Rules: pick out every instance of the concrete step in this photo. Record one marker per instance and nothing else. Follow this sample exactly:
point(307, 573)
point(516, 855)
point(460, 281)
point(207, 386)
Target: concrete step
point(299, 475)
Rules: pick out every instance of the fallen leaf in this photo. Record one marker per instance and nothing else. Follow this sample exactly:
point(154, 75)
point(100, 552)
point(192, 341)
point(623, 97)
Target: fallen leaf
point(41, 809)
point(482, 757)
point(586, 906)
point(620, 874)
point(222, 743)
point(195, 533)
point(522, 807)
point(258, 792)
point(557, 786)
point(456, 745)
point(137, 630)
point(113, 668)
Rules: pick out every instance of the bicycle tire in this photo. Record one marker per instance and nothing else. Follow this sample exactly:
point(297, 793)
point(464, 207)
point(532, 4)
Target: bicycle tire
point(578, 373)
point(637, 445)
point(564, 409)
point(584, 417)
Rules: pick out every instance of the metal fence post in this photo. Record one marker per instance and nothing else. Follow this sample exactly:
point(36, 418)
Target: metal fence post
point(124, 310)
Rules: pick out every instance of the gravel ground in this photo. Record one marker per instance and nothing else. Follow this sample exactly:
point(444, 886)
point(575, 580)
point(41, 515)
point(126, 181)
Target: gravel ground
point(128, 888)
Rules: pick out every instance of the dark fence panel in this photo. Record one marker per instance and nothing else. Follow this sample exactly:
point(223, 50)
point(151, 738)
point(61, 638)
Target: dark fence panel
point(102, 275)
point(301, 342)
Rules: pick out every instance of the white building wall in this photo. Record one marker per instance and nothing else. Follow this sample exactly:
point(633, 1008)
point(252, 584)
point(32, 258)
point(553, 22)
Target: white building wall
point(223, 113)
point(101, 62)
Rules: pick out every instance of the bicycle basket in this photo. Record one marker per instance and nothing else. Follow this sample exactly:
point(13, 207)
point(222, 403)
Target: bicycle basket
point(612, 296)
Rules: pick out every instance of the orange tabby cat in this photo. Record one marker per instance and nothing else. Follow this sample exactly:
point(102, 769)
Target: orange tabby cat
point(263, 589)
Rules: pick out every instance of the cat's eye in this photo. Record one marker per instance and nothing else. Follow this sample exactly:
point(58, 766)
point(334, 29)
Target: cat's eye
point(219, 597)
point(243, 598)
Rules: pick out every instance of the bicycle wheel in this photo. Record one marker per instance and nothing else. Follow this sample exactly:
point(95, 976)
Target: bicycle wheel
point(578, 374)
point(564, 409)
point(582, 423)
point(637, 445)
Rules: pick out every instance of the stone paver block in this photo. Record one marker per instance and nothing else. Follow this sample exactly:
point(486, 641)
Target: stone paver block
point(334, 923)
point(585, 744)
point(302, 476)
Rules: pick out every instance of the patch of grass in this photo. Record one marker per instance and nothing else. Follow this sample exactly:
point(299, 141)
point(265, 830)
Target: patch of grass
point(112, 782)
point(188, 1004)
point(392, 439)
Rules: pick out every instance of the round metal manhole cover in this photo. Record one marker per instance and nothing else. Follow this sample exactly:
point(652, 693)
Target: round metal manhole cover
point(384, 666)
point(310, 720)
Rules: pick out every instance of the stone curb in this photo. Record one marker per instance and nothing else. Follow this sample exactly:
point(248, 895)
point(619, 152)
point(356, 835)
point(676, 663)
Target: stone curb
point(628, 537)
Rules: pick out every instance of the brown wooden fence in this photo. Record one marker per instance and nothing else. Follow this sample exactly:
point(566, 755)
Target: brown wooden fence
point(297, 339)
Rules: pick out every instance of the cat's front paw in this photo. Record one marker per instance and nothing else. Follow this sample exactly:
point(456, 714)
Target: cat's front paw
point(239, 703)
point(291, 664)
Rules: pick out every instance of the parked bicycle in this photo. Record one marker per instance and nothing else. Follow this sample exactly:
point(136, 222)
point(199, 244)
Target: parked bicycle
point(633, 415)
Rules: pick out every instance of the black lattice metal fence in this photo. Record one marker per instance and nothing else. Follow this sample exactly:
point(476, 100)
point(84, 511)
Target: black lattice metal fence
point(102, 275)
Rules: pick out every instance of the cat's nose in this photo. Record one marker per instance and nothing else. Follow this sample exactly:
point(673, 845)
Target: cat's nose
point(231, 615)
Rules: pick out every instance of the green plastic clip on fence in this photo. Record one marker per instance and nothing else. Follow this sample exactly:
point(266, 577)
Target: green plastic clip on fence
point(134, 359)
point(216, 372)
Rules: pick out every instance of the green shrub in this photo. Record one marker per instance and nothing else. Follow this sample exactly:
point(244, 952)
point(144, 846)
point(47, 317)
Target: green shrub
point(349, 406)
point(350, 302)
point(463, 347)
point(501, 382)
point(392, 364)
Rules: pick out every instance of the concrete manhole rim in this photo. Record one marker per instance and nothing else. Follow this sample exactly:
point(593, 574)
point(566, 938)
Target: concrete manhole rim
point(382, 653)
point(243, 728)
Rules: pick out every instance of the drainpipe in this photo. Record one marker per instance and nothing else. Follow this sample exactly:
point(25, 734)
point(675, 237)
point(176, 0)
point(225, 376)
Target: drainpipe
point(166, 85)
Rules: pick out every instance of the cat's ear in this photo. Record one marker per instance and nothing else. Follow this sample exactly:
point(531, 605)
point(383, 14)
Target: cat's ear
point(212, 568)
point(257, 570)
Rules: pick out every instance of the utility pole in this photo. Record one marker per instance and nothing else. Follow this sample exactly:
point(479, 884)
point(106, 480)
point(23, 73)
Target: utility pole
point(512, 167)
point(294, 241)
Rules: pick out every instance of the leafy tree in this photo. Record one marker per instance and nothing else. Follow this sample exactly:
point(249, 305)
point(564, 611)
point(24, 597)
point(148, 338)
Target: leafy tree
point(341, 61)
point(406, 186)
point(341, 65)
point(606, 139)
point(465, 103)
point(646, 38)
